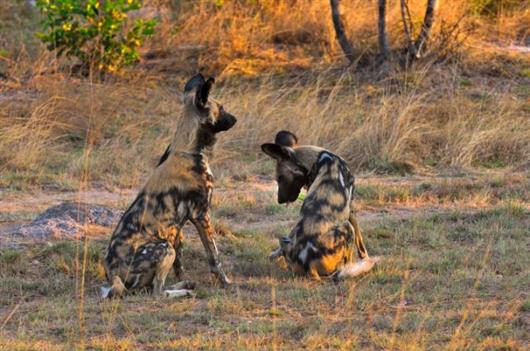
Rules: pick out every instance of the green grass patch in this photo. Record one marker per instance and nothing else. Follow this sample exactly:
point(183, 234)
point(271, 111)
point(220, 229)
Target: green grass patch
point(435, 270)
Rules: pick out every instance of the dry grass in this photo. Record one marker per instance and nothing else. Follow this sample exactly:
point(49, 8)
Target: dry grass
point(401, 125)
point(454, 114)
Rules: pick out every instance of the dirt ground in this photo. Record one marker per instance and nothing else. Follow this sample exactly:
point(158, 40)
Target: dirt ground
point(388, 198)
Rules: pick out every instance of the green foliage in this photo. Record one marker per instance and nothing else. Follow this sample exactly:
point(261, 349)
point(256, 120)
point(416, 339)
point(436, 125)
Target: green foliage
point(95, 31)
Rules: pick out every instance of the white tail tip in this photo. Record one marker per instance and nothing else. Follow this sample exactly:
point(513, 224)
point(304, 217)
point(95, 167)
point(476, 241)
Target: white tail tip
point(359, 267)
point(104, 292)
point(175, 294)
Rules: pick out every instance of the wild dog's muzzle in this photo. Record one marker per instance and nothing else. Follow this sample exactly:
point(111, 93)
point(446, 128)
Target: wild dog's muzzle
point(226, 122)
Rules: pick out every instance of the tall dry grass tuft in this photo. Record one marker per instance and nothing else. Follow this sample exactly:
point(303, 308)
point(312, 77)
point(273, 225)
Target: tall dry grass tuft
point(418, 119)
point(412, 120)
point(246, 38)
point(463, 112)
point(47, 128)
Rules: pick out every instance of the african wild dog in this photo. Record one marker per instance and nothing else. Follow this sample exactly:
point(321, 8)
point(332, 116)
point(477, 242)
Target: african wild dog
point(321, 243)
point(148, 238)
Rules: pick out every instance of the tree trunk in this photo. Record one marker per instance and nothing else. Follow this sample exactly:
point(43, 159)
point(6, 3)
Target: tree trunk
point(407, 27)
point(426, 27)
point(345, 44)
point(383, 40)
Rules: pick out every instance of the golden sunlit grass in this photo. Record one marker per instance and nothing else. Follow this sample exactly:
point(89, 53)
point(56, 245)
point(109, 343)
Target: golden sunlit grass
point(249, 37)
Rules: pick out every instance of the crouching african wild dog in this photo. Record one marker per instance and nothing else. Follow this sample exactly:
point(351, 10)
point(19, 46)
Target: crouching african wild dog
point(323, 239)
point(147, 241)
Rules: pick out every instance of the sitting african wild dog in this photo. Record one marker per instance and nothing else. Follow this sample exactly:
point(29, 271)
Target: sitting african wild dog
point(147, 241)
point(322, 242)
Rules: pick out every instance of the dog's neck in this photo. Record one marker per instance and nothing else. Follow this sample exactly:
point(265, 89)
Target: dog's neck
point(201, 144)
point(204, 141)
point(312, 159)
point(326, 158)
point(308, 157)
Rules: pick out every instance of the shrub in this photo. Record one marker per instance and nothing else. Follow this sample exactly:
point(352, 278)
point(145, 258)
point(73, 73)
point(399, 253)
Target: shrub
point(95, 31)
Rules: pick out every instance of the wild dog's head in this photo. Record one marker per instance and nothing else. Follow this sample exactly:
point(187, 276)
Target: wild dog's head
point(291, 174)
point(211, 116)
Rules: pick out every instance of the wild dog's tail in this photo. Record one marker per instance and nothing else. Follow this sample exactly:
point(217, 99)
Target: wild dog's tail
point(359, 244)
point(117, 288)
point(357, 268)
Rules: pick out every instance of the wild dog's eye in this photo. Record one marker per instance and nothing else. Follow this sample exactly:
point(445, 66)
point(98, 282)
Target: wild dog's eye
point(281, 178)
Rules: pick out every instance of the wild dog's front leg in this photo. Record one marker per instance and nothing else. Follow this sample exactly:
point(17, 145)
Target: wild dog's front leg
point(162, 270)
point(280, 251)
point(313, 272)
point(359, 244)
point(178, 246)
point(206, 233)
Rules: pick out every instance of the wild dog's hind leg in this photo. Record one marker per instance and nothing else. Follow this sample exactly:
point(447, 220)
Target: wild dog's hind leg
point(164, 255)
point(148, 268)
point(206, 233)
point(325, 254)
point(313, 273)
point(359, 244)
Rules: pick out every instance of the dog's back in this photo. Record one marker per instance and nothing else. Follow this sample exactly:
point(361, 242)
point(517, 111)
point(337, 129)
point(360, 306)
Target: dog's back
point(322, 241)
point(329, 197)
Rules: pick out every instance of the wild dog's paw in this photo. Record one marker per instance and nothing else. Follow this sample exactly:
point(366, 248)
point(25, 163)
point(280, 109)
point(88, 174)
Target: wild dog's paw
point(221, 275)
point(284, 241)
point(178, 293)
point(275, 254)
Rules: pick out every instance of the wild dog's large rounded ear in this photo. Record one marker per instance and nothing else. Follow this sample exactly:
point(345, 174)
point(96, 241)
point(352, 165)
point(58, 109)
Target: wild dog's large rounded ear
point(286, 138)
point(197, 90)
point(191, 88)
point(195, 83)
point(204, 92)
point(278, 152)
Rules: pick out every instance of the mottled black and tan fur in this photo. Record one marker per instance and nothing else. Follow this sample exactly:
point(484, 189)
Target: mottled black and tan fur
point(324, 238)
point(147, 241)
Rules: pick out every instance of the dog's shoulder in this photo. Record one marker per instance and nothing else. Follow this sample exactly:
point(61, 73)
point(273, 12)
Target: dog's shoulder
point(180, 171)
